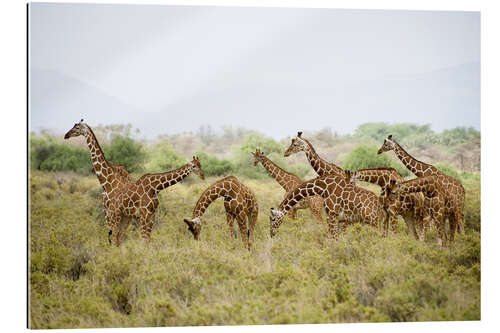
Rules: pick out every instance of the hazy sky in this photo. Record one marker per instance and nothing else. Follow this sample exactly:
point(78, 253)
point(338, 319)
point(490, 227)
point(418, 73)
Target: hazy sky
point(170, 69)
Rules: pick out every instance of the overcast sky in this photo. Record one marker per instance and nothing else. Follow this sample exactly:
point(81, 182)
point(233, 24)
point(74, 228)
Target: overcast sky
point(171, 69)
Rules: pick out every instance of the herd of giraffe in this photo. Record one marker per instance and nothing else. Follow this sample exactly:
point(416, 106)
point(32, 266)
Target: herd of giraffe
point(432, 197)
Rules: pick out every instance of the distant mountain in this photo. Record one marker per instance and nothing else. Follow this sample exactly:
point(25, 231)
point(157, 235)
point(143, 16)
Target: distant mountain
point(60, 98)
point(444, 98)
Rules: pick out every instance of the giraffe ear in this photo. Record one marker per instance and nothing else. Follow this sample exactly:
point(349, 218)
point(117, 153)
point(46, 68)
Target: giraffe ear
point(252, 153)
point(81, 120)
point(299, 134)
point(389, 137)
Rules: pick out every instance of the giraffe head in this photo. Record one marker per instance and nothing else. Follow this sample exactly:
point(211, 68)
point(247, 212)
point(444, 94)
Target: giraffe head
point(259, 155)
point(275, 220)
point(77, 130)
point(297, 145)
point(389, 144)
point(389, 193)
point(194, 225)
point(196, 167)
point(349, 176)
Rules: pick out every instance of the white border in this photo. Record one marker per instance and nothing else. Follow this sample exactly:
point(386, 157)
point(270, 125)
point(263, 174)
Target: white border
point(13, 194)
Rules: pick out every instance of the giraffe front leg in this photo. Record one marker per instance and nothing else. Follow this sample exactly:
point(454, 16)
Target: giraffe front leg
point(439, 220)
point(243, 230)
point(230, 223)
point(125, 221)
point(115, 229)
point(146, 222)
point(394, 224)
point(453, 221)
point(333, 227)
point(316, 205)
point(251, 225)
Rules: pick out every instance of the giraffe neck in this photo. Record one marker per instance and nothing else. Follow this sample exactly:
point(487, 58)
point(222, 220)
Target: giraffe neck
point(281, 176)
point(418, 168)
point(211, 194)
point(319, 165)
point(381, 177)
point(160, 181)
point(102, 169)
point(316, 186)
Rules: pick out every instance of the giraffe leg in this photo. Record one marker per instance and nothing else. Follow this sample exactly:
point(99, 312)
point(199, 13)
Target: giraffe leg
point(251, 225)
point(316, 205)
point(439, 220)
point(115, 229)
point(461, 222)
point(394, 224)
point(230, 223)
point(453, 220)
point(124, 223)
point(146, 222)
point(243, 229)
point(333, 227)
point(410, 223)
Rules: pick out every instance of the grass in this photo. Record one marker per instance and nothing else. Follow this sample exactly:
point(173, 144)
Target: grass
point(78, 280)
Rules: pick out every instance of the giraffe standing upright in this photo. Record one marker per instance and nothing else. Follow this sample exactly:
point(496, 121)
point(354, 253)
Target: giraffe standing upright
point(319, 165)
point(289, 181)
point(140, 200)
point(112, 177)
point(435, 197)
point(239, 202)
point(343, 201)
point(410, 206)
point(453, 189)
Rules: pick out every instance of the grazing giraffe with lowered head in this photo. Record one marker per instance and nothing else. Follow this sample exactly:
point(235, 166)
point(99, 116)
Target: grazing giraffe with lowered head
point(239, 202)
point(343, 202)
point(140, 200)
point(453, 189)
point(410, 206)
point(319, 165)
point(434, 205)
point(112, 177)
point(289, 181)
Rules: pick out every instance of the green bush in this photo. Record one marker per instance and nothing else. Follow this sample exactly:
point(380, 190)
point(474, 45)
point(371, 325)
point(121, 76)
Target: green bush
point(365, 156)
point(127, 152)
point(212, 166)
point(162, 157)
point(243, 159)
point(49, 155)
point(447, 169)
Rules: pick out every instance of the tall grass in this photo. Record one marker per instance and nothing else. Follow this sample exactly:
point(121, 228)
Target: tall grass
point(78, 280)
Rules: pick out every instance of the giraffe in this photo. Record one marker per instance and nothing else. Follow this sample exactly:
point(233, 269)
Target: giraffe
point(454, 190)
point(289, 181)
point(410, 206)
point(140, 200)
point(239, 202)
point(435, 197)
point(342, 201)
point(319, 165)
point(112, 177)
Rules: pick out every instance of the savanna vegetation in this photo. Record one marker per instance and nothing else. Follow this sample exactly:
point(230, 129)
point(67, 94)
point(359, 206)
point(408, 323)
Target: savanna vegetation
point(78, 280)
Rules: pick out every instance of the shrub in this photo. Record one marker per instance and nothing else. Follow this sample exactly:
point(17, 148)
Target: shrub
point(49, 155)
point(242, 155)
point(212, 166)
point(447, 169)
point(162, 157)
point(365, 156)
point(127, 152)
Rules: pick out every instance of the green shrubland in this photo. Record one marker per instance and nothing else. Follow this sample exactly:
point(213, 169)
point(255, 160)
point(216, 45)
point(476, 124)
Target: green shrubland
point(76, 279)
